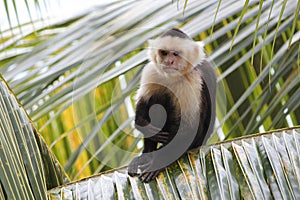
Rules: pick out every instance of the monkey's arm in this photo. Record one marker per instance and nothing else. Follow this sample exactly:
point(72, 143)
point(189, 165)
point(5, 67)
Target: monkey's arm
point(143, 124)
point(152, 135)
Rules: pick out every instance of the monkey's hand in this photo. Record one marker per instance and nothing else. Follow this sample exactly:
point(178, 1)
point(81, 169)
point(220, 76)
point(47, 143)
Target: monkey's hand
point(149, 176)
point(133, 166)
point(148, 169)
point(138, 164)
point(142, 166)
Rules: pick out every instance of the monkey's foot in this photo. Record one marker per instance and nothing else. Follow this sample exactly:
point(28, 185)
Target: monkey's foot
point(161, 137)
point(149, 176)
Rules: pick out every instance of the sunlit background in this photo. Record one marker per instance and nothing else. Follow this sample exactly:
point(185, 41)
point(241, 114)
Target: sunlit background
point(23, 12)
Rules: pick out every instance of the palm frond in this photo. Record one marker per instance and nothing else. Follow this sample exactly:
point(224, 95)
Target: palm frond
point(261, 166)
point(28, 168)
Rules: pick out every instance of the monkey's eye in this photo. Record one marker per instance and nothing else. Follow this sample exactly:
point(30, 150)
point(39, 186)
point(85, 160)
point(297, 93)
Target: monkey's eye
point(163, 52)
point(176, 53)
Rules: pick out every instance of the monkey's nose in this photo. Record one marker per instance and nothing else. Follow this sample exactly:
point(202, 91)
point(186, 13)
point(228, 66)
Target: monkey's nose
point(169, 62)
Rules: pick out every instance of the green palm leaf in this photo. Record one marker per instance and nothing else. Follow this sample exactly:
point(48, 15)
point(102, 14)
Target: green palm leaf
point(263, 166)
point(25, 159)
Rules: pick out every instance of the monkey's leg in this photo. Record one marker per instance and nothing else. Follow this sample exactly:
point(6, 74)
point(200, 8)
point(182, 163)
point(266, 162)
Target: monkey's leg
point(153, 133)
point(156, 135)
point(161, 137)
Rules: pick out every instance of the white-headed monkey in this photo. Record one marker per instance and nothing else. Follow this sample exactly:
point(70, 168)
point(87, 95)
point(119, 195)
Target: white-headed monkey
point(175, 107)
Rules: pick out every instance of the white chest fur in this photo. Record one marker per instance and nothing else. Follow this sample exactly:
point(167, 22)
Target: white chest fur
point(186, 88)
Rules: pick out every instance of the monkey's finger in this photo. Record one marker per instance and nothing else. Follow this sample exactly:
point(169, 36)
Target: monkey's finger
point(151, 176)
point(163, 133)
point(148, 176)
point(160, 139)
point(144, 177)
point(163, 140)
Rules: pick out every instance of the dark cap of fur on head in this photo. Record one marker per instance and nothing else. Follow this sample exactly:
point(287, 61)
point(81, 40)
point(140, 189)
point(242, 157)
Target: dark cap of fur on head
point(174, 32)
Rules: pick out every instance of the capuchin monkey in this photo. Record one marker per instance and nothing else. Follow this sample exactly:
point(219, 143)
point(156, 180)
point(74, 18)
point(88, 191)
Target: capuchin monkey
point(175, 107)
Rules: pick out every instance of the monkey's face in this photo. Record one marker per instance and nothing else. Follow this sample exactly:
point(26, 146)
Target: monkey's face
point(172, 62)
point(174, 56)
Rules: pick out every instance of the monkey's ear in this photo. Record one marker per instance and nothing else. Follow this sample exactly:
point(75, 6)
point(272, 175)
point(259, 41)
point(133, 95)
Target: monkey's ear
point(151, 50)
point(200, 45)
point(198, 53)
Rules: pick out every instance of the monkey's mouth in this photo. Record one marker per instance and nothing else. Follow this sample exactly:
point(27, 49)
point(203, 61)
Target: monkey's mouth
point(169, 69)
